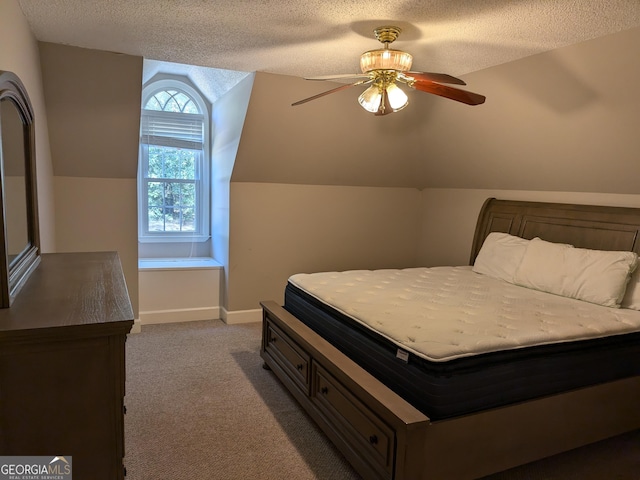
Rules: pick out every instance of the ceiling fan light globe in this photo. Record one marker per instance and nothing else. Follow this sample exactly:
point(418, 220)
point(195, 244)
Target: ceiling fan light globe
point(385, 59)
point(397, 98)
point(371, 99)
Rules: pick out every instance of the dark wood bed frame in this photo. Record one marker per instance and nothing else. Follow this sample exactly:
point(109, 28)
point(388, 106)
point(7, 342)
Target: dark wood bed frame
point(384, 437)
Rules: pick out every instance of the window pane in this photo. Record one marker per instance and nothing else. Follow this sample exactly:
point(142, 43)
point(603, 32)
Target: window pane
point(155, 162)
point(188, 195)
point(190, 107)
point(172, 106)
point(153, 104)
point(182, 100)
point(187, 164)
point(187, 206)
point(172, 222)
point(171, 207)
point(171, 197)
point(172, 163)
point(155, 193)
point(188, 220)
point(162, 98)
point(155, 219)
point(172, 100)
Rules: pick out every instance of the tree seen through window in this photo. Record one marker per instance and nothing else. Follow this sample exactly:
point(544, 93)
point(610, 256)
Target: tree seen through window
point(172, 190)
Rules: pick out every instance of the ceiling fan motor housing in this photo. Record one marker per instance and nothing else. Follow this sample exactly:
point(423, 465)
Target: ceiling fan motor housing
point(386, 58)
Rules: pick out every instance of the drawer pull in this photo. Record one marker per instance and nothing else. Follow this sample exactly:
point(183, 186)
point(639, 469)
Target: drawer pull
point(273, 339)
point(373, 440)
point(324, 390)
point(299, 366)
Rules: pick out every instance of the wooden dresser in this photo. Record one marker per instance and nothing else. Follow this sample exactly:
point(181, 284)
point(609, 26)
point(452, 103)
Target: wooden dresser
point(62, 364)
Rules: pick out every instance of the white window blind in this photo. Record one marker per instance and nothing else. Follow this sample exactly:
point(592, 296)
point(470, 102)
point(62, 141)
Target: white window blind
point(168, 129)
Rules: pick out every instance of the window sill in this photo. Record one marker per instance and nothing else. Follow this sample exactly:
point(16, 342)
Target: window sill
point(194, 263)
point(173, 238)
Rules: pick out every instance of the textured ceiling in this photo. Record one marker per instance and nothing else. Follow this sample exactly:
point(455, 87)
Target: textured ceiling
point(320, 37)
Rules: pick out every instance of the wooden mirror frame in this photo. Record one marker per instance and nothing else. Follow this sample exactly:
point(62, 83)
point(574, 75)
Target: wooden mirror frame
point(14, 272)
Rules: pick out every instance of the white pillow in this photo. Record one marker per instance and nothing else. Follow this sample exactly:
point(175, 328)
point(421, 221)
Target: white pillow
point(632, 294)
point(594, 276)
point(500, 256)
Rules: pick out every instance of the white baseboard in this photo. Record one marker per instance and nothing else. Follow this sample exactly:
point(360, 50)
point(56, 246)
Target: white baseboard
point(137, 326)
point(194, 314)
point(241, 316)
point(179, 315)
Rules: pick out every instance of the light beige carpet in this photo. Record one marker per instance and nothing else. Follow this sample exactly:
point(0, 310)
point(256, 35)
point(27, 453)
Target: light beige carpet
point(200, 406)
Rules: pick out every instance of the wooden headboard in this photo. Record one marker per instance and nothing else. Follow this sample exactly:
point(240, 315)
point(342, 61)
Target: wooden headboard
point(583, 226)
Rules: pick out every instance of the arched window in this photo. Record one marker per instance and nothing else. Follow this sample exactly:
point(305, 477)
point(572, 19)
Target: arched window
point(173, 173)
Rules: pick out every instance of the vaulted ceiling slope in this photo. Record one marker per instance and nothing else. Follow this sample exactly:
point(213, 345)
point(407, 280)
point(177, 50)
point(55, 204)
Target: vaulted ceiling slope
point(317, 37)
point(565, 120)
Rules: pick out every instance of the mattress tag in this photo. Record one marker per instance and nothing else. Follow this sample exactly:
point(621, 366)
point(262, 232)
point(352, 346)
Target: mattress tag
point(402, 355)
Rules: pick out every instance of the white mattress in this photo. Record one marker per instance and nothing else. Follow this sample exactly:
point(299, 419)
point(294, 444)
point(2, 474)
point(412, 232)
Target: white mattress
point(443, 313)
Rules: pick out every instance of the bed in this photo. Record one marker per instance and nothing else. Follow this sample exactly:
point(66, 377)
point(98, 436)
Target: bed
point(463, 398)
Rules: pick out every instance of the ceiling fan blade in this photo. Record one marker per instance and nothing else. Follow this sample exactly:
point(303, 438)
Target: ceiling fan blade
point(333, 90)
point(434, 77)
point(463, 96)
point(339, 76)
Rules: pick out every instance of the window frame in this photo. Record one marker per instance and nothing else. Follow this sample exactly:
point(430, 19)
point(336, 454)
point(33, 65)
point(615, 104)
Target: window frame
point(203, 183)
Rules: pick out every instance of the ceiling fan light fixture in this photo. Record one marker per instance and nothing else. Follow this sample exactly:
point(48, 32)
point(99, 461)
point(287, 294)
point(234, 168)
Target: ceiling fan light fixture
point(397, 98)
point(382, 98)
point(371, 98)
point(385, 59)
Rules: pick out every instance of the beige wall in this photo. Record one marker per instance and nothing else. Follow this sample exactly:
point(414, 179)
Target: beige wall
point(227, 123)
point(329, 141)
point(277, 230)
point(19, 54)
point(565, 120)
point(449, 217)
point(169, 295)
point(93, 104)
point(99, 214)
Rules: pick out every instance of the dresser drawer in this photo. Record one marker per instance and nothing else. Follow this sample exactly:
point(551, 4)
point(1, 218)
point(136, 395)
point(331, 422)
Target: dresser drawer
point(289, 356)
point(363, 430)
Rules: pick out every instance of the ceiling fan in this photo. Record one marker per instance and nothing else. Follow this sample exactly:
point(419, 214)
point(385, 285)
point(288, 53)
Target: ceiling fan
point(382, 69)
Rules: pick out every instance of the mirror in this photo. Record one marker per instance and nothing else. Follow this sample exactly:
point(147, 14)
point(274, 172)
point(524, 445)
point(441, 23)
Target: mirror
point(15, 188)
point(20, 245)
